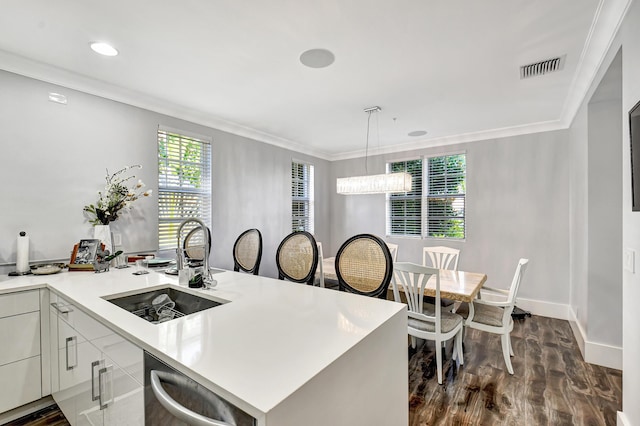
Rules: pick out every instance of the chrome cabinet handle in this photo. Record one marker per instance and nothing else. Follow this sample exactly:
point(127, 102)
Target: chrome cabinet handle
point(95, 391)
point(74, 341)
point(105, 386)
point(61, 309)
point(177, 410)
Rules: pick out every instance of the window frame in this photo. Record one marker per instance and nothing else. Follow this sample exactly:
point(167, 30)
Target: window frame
point(406, 197)
point(308, 200)
point(428, 195)
point(424, 199)
point(201, 196)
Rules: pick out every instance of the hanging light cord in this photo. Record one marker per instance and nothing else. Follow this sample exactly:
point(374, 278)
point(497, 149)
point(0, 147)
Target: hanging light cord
point(366, 151)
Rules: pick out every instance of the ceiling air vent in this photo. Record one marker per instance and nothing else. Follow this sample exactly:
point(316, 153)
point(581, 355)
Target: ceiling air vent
point(542, 67)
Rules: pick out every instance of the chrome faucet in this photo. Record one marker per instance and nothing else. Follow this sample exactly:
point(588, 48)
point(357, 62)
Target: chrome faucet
point(182, 262)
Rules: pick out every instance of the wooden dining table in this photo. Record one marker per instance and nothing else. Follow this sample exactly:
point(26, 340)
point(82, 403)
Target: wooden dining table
point(460, 286)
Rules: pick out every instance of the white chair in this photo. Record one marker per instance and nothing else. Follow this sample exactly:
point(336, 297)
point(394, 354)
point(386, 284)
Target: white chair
point(427, 321)
point(495, 316)
point(441, 257)
point(393, 249)
point(320, 272)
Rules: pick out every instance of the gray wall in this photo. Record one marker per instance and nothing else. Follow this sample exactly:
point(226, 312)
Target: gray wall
point(517, 206)
point(605, 222)
point(53, 161)
point(630, 34)
point(596, 211)
point(579, 231)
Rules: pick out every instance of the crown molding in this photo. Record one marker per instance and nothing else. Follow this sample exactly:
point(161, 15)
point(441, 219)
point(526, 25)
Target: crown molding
point(604, 30)
point(505, 132)
point(54, 75)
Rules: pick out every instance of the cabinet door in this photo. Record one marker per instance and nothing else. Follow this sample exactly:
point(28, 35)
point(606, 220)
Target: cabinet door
point(20, 369)
point(78, 365)
point(120, 399)
point(126, 402)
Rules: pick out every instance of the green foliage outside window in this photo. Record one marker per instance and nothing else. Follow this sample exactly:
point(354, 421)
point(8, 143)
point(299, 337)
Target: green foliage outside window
point(439, 204)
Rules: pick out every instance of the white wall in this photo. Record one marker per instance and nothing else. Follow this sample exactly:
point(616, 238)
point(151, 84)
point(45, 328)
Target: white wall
point(517, 206)
point(596, 218)
point(53, 160)
point(605, 222)
point(578, 222)
point(630, 221)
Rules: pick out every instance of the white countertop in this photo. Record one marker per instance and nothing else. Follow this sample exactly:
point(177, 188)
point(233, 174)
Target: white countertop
point(270, 339)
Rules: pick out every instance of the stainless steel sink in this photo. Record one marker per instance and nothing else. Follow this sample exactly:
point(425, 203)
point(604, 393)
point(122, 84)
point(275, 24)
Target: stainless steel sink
point(141, 304)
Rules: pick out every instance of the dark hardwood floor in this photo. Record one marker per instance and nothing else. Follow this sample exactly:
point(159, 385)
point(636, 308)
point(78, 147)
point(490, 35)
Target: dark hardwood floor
point(551, 384)
point(50, 416)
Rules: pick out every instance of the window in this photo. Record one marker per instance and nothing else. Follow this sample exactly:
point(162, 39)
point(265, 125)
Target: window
point(446, 196)
point(301, 196)
point(184, 184)
point(433, 210)
point(404, 210)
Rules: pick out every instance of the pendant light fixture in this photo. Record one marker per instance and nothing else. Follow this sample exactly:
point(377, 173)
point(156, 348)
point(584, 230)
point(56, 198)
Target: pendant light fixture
point(373, 184)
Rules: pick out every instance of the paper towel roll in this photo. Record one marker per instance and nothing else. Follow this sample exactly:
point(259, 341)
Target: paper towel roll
point(22, 253)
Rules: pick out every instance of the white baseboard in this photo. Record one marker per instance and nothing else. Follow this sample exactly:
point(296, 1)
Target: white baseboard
point(594, 352)
point(622, 419)
point(544, 309)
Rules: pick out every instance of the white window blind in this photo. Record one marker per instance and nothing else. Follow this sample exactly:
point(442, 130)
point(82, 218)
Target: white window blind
point(302, 203)
point(184, 184)
point(404, 210)
point(445, 200)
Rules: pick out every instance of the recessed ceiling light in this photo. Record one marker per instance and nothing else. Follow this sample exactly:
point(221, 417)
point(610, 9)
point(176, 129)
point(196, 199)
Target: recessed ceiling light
point(103, 48)
point(57, 98)
point(417, 133)
point(317, 58)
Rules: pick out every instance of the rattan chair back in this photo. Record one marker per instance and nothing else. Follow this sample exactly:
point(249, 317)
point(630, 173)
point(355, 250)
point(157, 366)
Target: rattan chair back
point(193, 244)
point(364, 266)
point(247, 252)
point(297, 258)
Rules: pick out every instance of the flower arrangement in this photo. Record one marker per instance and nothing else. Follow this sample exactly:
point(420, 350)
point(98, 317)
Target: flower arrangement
point(117, 195)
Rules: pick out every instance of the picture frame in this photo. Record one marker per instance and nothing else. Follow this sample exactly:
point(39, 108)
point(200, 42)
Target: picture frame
point(84, 253)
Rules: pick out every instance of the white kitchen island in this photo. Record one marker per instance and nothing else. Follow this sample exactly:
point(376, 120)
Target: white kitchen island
point(286, 353)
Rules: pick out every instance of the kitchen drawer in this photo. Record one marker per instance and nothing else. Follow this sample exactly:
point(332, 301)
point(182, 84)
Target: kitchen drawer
point(85, 325)
point(20, 383)
point(20, 337)
point(124, 354)
point(19, 303)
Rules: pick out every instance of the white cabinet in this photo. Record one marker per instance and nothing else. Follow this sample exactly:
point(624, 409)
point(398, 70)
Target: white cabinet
point(98, 374)
point(20, 357)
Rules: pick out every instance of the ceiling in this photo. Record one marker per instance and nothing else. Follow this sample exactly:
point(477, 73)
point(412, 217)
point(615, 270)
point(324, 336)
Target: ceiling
point(447, 67)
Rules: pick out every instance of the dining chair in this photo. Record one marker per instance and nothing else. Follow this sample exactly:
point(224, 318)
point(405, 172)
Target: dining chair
point(393, 249)
point(247, 252)
point(440, 257)
point(297, 257)
point(193, 245)
point(427, 321)
point(364, 266)
point(495, 316)
point(320, 270)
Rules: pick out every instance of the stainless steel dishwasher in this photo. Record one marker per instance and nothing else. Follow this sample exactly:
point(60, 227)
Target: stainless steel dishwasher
point(171, 398)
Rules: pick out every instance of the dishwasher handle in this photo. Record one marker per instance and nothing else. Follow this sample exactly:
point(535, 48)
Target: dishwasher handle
point(176, 409)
